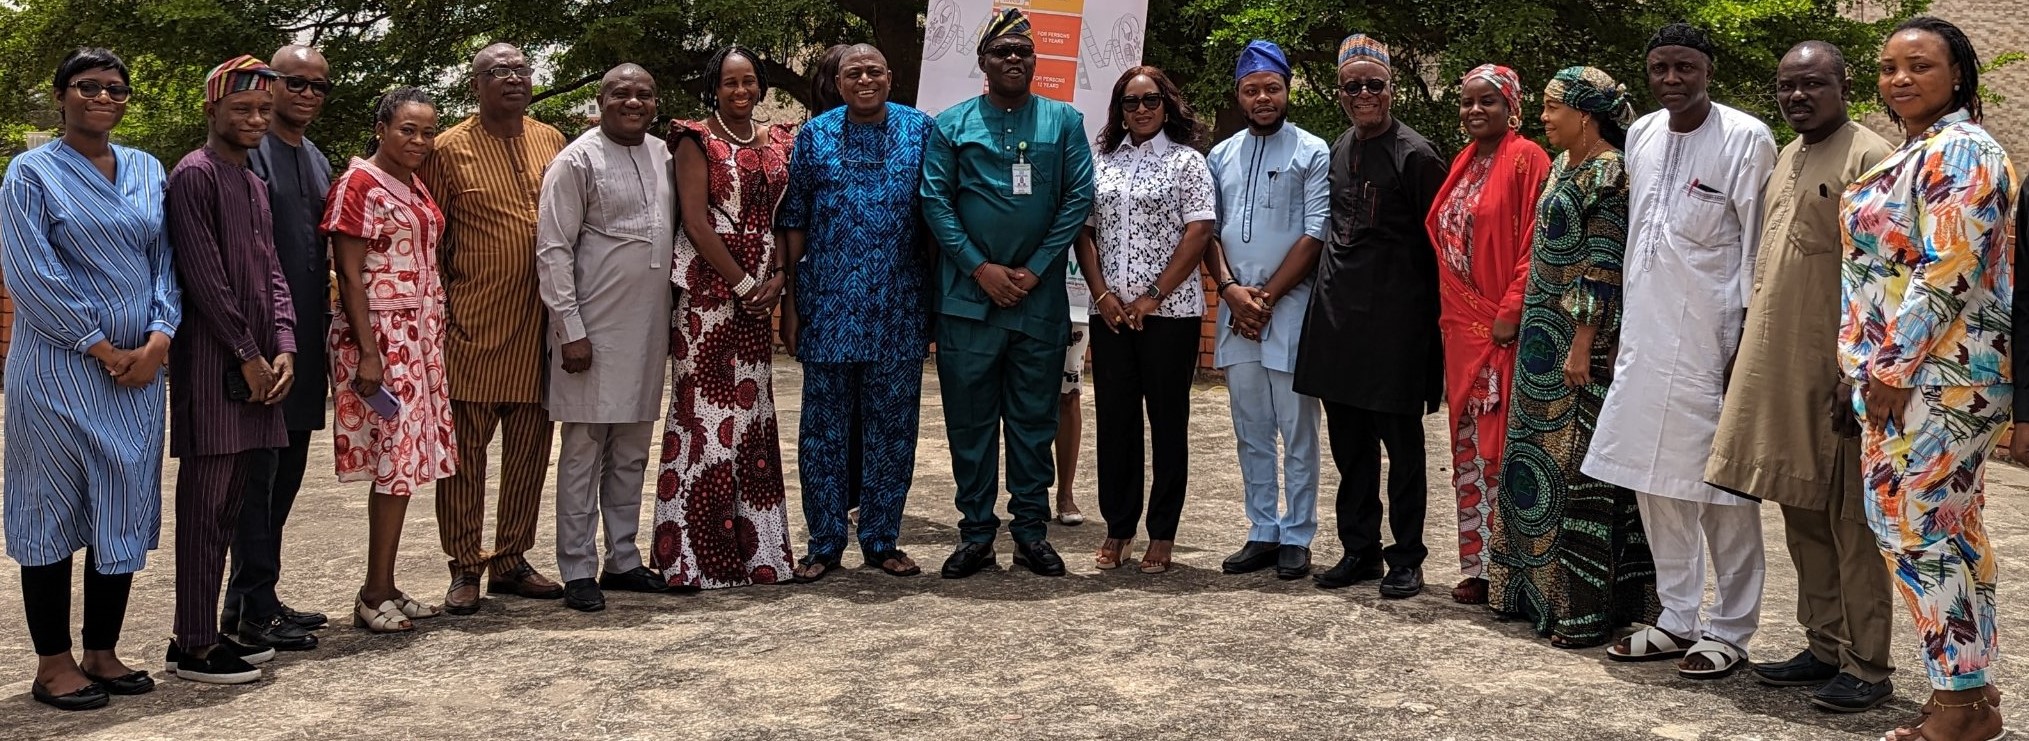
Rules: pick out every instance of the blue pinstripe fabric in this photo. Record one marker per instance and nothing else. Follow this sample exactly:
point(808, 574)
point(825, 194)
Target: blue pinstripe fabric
point(85, 260)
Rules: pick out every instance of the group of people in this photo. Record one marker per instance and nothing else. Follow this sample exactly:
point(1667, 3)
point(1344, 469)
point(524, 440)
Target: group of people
point(1637, 341)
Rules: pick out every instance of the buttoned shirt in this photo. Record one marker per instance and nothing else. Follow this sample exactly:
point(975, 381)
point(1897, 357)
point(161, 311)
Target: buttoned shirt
point(1142, 198)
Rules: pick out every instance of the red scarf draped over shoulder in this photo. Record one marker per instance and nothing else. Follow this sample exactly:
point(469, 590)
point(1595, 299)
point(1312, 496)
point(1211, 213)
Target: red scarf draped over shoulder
point(1476, 371)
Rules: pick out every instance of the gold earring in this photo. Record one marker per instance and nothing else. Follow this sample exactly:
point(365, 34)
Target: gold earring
point(1514, 122)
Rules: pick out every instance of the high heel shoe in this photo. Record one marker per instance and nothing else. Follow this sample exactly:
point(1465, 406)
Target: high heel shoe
point(1119, 555)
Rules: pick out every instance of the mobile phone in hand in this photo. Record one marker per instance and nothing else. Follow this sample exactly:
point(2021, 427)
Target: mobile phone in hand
point(384, 404)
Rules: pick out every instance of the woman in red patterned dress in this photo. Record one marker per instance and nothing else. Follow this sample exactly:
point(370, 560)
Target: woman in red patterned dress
point(384, 229)
point(720, 520)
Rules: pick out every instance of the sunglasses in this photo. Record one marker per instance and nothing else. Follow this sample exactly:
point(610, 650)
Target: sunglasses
point(90, 89)
point(1131, 104)
point(501, 73)
point(1354, 87)
point(297, 84)
point(1016, 51)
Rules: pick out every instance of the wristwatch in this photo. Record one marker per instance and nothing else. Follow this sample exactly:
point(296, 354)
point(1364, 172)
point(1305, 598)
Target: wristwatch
point(1152, 292)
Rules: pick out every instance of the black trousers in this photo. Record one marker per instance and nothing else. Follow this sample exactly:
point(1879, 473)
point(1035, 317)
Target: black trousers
point(45, 595)
point(257, 543)
point(1133, 371)
point(1357, 436)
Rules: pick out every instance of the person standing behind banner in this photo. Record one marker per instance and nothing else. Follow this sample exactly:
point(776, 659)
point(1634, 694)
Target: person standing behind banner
point(1007, 185)
point(1274, 206)
point(857, 318)
point(1152, 212)
point(1070, 408)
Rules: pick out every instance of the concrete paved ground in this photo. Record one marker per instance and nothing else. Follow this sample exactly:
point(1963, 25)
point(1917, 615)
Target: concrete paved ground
point(1188, 655)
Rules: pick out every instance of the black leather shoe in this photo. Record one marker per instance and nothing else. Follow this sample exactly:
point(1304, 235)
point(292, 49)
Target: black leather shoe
point(1402, 582)
point(583, 595)
point(1039, 557)
point(305, 620)
point(1848, 694)
point(1292, 562)
point(1802, 670)
point(133, 683)
point(1254, 556)
point(969, 559)
point(89, 697)
point(637, 579)
point(1351, 570)
point(277, 633)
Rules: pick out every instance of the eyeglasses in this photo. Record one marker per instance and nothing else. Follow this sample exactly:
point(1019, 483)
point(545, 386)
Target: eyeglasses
point(90, 89)
point(1131, 104)
point(1352, 88)
point(1015, 51)
point(501, 73)
point(297, 84)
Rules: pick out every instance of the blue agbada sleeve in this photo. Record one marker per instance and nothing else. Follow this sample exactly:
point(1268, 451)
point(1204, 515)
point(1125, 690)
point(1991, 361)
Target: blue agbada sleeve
point(1077, 195)
point(794, 213)
point(940, 208)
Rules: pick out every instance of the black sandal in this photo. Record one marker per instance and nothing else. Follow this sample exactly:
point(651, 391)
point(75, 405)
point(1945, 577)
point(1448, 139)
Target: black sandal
point(880, 560)
point(829, 563)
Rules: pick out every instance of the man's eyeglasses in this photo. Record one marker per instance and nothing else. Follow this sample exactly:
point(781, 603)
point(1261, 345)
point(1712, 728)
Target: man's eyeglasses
point(501, 73)
point(91, 88)
point(1131, 104)
point(1353, 88)
point(296, 84)
point(1015, 51)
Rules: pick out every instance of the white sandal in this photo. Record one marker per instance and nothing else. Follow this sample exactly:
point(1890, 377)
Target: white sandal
point(1648, 644)
point(387, 618)
point(414, 610)
point(1724, 656)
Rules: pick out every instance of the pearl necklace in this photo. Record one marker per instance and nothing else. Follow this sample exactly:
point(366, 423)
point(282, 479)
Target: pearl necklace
point(751, 133)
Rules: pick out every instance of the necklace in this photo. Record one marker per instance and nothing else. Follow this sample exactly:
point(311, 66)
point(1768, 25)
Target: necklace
point(751, 133)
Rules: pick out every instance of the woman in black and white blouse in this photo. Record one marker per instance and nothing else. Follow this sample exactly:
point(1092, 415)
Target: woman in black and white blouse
point(1154, 207)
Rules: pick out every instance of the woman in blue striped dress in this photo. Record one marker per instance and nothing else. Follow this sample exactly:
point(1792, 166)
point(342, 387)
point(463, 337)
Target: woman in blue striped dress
point(96, 302)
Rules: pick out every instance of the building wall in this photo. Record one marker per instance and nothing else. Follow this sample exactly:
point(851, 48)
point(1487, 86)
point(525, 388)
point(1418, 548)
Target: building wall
point(1995, 27)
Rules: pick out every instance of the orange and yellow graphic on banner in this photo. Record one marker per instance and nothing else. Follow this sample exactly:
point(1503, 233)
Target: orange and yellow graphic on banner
point(1056, 25)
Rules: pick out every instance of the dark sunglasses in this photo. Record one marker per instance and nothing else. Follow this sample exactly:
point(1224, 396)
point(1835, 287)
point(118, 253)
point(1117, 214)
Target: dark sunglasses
point(297, 84)
point(501, 73)
point(1375, 86)
point(1017, 51)
point(90, 89)
point(1131, 104)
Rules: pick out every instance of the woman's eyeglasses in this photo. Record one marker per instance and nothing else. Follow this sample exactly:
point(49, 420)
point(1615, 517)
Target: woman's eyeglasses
point(1354, 87)
point(1131, 104)
point(90, 89)
point(296, 84)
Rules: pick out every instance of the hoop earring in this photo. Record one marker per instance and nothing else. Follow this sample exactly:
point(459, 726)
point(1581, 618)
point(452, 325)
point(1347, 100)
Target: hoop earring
point(1514, 122)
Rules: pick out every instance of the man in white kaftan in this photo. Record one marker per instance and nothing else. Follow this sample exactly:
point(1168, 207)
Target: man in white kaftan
point(1695, 172)
point(603, 248)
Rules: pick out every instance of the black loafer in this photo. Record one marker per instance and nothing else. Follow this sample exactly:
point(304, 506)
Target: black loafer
point(1849, 694)
point(1040, 558)
point(1402, 582)
point(1802, 670)
point(969, 559)
point(278, 633)
point(1292, 562)
point(132, 683)
point(305, 620)
point(1350, 570)
point(583, 595)
point(89, 697)
point(637, 579)
point(1254, 556)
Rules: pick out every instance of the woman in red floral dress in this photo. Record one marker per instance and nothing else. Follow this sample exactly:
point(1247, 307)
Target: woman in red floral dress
point(720, 519)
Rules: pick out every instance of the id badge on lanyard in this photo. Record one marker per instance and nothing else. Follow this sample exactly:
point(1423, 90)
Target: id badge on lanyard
point(1023, 174)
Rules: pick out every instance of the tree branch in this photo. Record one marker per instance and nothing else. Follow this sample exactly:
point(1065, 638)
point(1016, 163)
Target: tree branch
point(324, 25)
point(565, 88)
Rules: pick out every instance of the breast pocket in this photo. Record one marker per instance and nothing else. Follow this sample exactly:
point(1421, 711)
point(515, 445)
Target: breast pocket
point(1703, 218)
point(1816, 227)
point(1045, 166)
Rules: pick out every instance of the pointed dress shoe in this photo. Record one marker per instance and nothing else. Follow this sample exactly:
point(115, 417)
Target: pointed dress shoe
point(969, 559)
point(306, 620)
point(1402, 582)
point(637, 579)
point(1350, 570)
point(525, 581)
point(1850, 694)
point(278, 633)
point(1040, 558)
point(583, 595)
point(1254, 556)
point(1802, 670)
point(87, 697)
point(1292, 562)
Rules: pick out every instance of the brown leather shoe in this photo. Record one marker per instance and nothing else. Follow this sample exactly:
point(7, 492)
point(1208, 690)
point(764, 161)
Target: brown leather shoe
point(463, 597)
point(523, 581)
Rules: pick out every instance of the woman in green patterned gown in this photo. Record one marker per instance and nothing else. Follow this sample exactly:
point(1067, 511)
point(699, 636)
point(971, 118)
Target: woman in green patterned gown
point(1568, 551)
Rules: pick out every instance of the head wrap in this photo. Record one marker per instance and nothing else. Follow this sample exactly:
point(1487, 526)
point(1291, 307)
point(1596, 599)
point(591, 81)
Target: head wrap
point(1504, 80)
point(1362, 45)
point(1010, 22)
point(1590, 90)
point(1261, 56)
point(1684, 35)
point(236, 75)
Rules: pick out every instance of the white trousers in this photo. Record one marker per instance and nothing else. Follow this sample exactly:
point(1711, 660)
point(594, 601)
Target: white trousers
point(1682, 535)
point(599, 477)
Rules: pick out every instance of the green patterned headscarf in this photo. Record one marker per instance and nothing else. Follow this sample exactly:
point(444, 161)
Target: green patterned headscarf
point(1590, 90)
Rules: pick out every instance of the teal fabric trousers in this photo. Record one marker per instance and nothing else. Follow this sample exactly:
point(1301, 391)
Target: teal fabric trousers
point(996, 379)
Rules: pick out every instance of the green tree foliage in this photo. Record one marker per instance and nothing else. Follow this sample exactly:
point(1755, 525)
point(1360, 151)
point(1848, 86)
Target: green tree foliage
point(377, 44)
